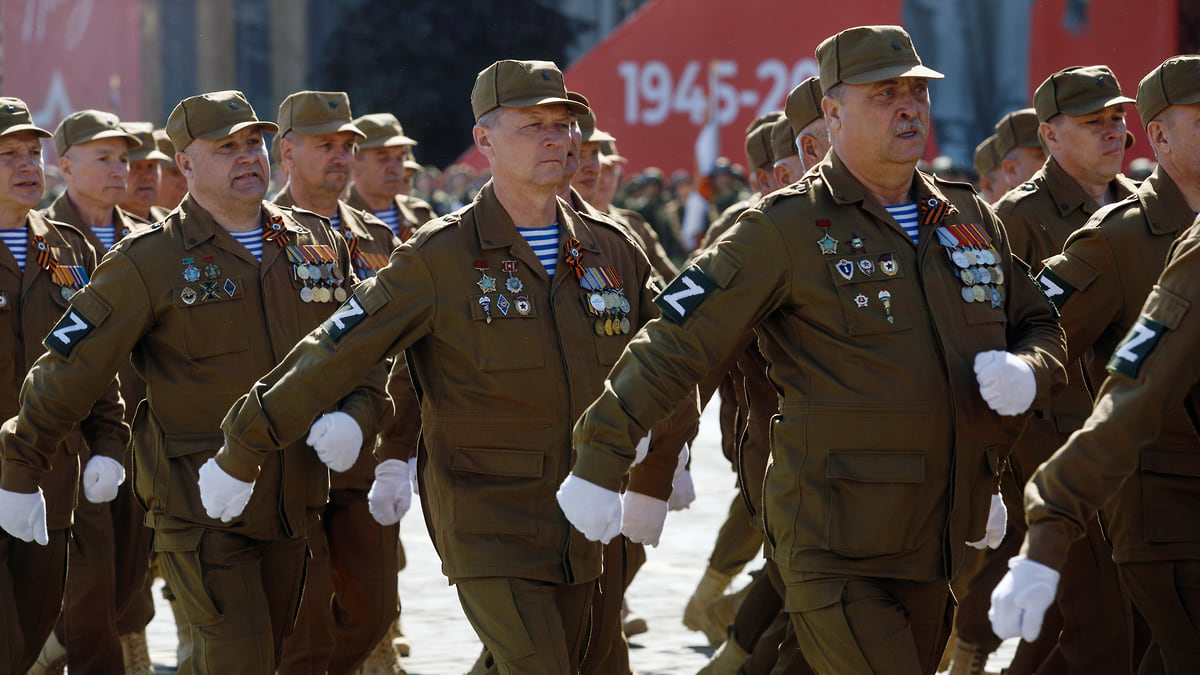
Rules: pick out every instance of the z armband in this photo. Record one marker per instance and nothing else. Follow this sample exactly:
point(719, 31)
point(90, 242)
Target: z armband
point(86, 313)
point(1162, 311)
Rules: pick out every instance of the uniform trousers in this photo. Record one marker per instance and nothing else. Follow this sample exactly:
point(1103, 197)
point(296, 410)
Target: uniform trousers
point(349, 591)
point(774, 650)
point(737, 542)
point(239, 595)
point(607, 648)
point(528, 627)
point(88, 626)
point(32, 578)
point(869, 625)
point(133, 542)
point(1167, 593)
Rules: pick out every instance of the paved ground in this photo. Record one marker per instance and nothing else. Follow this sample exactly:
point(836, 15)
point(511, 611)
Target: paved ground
point(444, 644)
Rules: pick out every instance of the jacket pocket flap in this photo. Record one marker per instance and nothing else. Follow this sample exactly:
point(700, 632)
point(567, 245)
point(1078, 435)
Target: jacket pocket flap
point(876, 467)
point(180, 445)
point(493, 462)
point(1172, 462)
point(810, 595)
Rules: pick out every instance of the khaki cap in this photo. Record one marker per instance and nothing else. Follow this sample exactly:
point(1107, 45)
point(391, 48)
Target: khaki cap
point(316, 113)
point(163, 143)
point(783, 141)
point(383, 130)
point(84, 126)
point(587, 121)
point(1017, 129)
point(608, 153)
point(15, 118)
point(144, 131)
point(1078, 90)
point(1175, 82)
point(868, 54)
point(413, 164)
point(986, 158)
point(211, 117)
point(803, 105)
point(520, 84)
point(758, 140)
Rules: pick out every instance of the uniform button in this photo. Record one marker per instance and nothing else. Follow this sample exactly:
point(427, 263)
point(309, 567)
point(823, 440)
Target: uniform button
point(191, 241)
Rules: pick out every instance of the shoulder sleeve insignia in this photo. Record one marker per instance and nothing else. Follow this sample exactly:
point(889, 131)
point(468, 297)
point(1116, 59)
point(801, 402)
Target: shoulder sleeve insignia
point(1056, 289)
point(684, 294)
point(1137, 345)
point(86, 312)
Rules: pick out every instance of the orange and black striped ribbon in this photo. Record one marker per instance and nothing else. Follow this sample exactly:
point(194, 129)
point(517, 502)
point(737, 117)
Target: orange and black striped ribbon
point(275, 231)
point(931, 210)
point(42, 254)
point(572, 257)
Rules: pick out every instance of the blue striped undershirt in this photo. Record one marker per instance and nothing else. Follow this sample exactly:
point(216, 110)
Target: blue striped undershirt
point(336, 221)
point(544, 241)
point(391, 217)
point(17, 239)
point(252, 240)
point(107, 236)
point(906, 215)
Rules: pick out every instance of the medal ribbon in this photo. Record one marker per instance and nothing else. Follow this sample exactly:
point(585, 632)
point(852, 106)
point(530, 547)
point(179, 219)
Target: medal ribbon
point(931, 210)
point(351, 243)
point(984, 239)
point(275, 231)
point(43, 257)
point(572, 256)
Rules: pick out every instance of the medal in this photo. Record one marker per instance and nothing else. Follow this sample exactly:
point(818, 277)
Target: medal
point(306, 294)
point(209, 291)
point(867, 267)
point(861, 300)
point(984, 276)
point(339, 294)
point(967, 276)
point(523, 305)
point(66, 292)
point(191, 273)
point(599, 327)
point(486, 284)
point(997, 275)
point(302, 272)
point(980, 296)
point(211, 271)
point(187, 295)
point(485, 303)
point(625, 326)
point(314, 272)
point(608, 327)
point(3, 300)
point(322, 294)
point(571, 255)
point(596, 302)
point(502, 305)
point(996, 299)
point(968, 294)
point(845, 268)
point(828, 244)
point(885, 297)
point(856, 243)
point(229, 287)
point(513, 284)
point(888, 264)
point(624, 305)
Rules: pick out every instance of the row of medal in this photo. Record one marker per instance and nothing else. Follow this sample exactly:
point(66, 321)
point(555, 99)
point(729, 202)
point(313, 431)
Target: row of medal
point(487, 285)
point(70, 278)
point(316, 266)
point(605, 299)
point(207, 290)
point(368, 264)
point(970, 251)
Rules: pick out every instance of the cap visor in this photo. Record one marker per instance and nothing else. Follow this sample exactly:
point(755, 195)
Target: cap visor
point(574, 106)
point(332, 127)
point(409, 164)
point(223, 132)
point(17, 128)
point(388, 142)
point(1095, 106)
point(598, 136)
point(153, 154)
point(130, 140)
point(893, 72)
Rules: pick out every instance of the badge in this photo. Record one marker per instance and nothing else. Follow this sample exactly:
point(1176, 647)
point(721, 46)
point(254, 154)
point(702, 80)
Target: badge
point(275, 231)
point(188, 294)
point(867, 267)
point(625, 326)
point(229, 287)
point(856, 243)
point(861, 300)
point(885, 297)
point(306, 294)
point(66, 292)
point(513, 284)
point(339, 294)
point(967, 276)
point(996, 298)
point(984, 276)
point(211, 271)
point(980, 296)
point(572, 254)
point(845, 268)
point(523, 305)
point(191, 273)
point(599, 327)
point(968, 294)
point(3, 300)
point(209, 291)
point(888, 264)
point(828, 244)
point(485, 303)
point(486, 284)
point(597, 302)
point(302, 272)
point(502, 305)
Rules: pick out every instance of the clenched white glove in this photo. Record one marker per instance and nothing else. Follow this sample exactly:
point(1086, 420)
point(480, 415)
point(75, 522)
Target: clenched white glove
point(641, 449)
point(1006, 382)
point(391, 492)
point(683, 492)
point(593, 510)
point(224, 497)
point(337, 439)
point(1021, 599)
point(23, 515)
point(642, 517)
point(997, 523)
point(101, 478)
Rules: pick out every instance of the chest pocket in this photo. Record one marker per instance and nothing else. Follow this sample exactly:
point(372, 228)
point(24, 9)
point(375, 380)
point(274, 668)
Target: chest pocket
point(870, 293)
point(511, 340)
point(212, 317)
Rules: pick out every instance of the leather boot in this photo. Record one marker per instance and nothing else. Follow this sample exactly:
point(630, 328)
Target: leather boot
point(711, 586)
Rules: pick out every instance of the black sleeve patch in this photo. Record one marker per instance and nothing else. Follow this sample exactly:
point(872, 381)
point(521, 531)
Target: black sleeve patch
point(684, 294)
point(68, 332)
point(349, 315)
point(1137, 345)
point(1056, 289)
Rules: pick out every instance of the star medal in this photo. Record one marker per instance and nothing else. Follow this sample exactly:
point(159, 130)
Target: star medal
point(861, 300)
point(888, 264)
point(485, 303)
point(885, 297)
point(827, 243)
point(486, 284)
point(211, 271)
point(191, 273)
point(513, 284)
point(856, 243)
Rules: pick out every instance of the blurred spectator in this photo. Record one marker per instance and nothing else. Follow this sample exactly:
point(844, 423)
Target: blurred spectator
point(1141, 168)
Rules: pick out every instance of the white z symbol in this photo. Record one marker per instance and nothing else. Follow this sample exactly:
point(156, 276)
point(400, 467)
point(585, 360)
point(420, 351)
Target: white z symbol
point(692, 289)
point(63, 333)
point(1137, 336)
point(1051, 289)
point(352, 309)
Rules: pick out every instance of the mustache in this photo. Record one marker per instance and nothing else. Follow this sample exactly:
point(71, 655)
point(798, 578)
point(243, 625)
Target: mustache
point(906, 126)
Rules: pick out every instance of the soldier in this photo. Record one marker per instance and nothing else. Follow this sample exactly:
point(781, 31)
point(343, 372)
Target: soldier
point(992, 183)
point(204, 302)
point(172, 187)
point(803, 109)
point(350, 585)
point(788, 165)
point(1135, 452)
point(42, 263)
point(1082, 122)
point(902, 374)
point(145, 174)
point(379, 170)
point(1018, 146)
point(502, 367)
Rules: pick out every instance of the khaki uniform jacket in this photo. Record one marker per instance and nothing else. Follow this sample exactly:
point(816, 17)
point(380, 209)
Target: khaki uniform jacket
point(32, 301)
point(1156, 365)
point(497, 398)
point(1099, 283)
point(373, 236)
point(413, 212)
point(648, 238)
point(1039, 215)
point(198, 345)
point(884, 453)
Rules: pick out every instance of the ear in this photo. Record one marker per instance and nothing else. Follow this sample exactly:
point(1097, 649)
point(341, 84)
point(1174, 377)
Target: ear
point(782, 176)
point(285, 150)
point(1049, 135)
point(1160, 141)
point(483, 141)
point(1009, 168)
point(64, 165)
point(833, 113)
point(185, 165)
point(808, 152)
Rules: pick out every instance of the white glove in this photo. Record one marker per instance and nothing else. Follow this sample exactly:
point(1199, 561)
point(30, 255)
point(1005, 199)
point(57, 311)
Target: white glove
point(1006, 382)
point(337, 439)
point(683, 492)
point(593, 510)
point(412, 471)
point(101, 478)
point(642, 517)
point(641, 449)
point(391, 492)
point(1021, 599)
point(223, 496)
point(997, 523)
point(23, 515)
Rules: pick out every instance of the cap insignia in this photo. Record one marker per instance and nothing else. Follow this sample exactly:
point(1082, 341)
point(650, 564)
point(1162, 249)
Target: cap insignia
point(233, 105)
point(896, 46)
point(545, 75)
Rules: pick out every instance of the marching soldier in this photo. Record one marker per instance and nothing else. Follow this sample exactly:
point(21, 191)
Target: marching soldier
point(992, 183)
point(145, 174)
point(172, 187)
point(379, 171)
point(1019, 146)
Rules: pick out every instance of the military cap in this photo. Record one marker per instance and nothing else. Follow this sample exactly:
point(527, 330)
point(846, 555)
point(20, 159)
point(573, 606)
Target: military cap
point(15, 118)
point(520, 84)
point(211, 117)
point(866, 54)
point(1017, 129)
point(783, 141)
point(608, 152)
point(163, 143)
point(986, 158)
point(383, 130)
point(803, 105)
point(758, 140)
point(315, 113)
point(144, 131)
point(587, 121)
point(1175, 82)
point(84, 126)
point(410, 163)
point(1078, 90)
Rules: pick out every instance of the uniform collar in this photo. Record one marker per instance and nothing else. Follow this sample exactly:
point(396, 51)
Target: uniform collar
point(63, 209)
point(197, 225)
point(1163, 203)
point(1068, 195)
point(844, 188)
point(347, 219)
